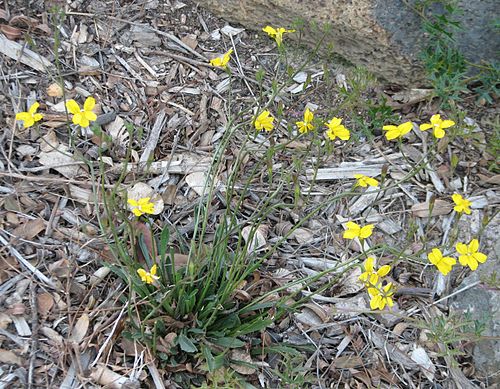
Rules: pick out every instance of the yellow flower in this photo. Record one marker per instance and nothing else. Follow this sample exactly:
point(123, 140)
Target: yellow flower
point(141, 206)
point(461, 204)
point(306, 125)
point(394, 132)
point(370, 277)
point(381, 296)
point(336, 129)
point(85, 116)
point(443, 264)
point(470, 256)
point(264, 121)
point(222, 61)
point(148, 277)
point(276, 34)
point(29, 118)
point(438, 125)
point(365, 181)
point(356, 231)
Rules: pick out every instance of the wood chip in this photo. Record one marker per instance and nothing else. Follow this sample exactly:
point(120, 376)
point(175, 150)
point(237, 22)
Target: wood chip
point(8, 356)
point(243, 356)
point(440, 207)
point(45, 302)
point(259, 237)
point(104, 376)
point(420, 356)
point(364, 201)
point(346, 170)
point(392, 351)
point(80, 329)
point(29, 229)
point(24, 55)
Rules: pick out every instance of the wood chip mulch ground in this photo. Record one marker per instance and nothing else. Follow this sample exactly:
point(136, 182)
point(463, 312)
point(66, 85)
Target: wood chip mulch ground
point(146, 63)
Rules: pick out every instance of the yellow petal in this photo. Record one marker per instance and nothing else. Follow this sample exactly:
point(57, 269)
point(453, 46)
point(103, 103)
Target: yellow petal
point(464, 260)
point(77, 118)
point(436, 119)
point(33, 108)
point(331, 135)
point(449, 261)
point(142, 273)
point(405, 127)
point(352, 226)
point(84, 122)
point(132, 202)
point(389, 128)
point(343, 133)
point(153, 270)
point(350, 234)
point(447, 123)
point(89, 104)
point(375, 302)
point(90, 116)
point(217, 62)
point(270, 30)
point(384, 270)
point(29, 122)
point(434, 256)
point(392, 135)
point(73, 107)
point(425, 126)
point(144, 200)
point(473, 263)
point(22, 116)
point(480, 257)
point(369, 264)
point(373, 291)
point(366, 231)
point(37, 117)
point(461, 248)
point(308, 115)
point(473, 246)
point(373, 279)
point(439, 133)
point(443, 268)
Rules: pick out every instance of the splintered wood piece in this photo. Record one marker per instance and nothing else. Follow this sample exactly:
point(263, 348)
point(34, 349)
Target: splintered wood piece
point(24, 55)
point(365, 200)
point(153, 137)
point(344, 171)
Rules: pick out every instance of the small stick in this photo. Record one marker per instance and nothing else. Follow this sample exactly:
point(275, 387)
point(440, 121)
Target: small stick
point(26, 264)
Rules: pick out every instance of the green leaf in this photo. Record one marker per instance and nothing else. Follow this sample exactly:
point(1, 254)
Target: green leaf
point(213, 363)
point(164, 237)
point(144, 249)
point(228, 342)
point(254, 326)
point(186, 344)
point(227, 322)
point(189, 301)
point(209, 358)
point(260, 74)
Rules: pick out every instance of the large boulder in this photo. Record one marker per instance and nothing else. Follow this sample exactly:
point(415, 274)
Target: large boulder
point(385, 36)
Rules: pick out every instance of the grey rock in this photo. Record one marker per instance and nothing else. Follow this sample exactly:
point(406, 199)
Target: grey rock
point(385, 36)
point(482, 302)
